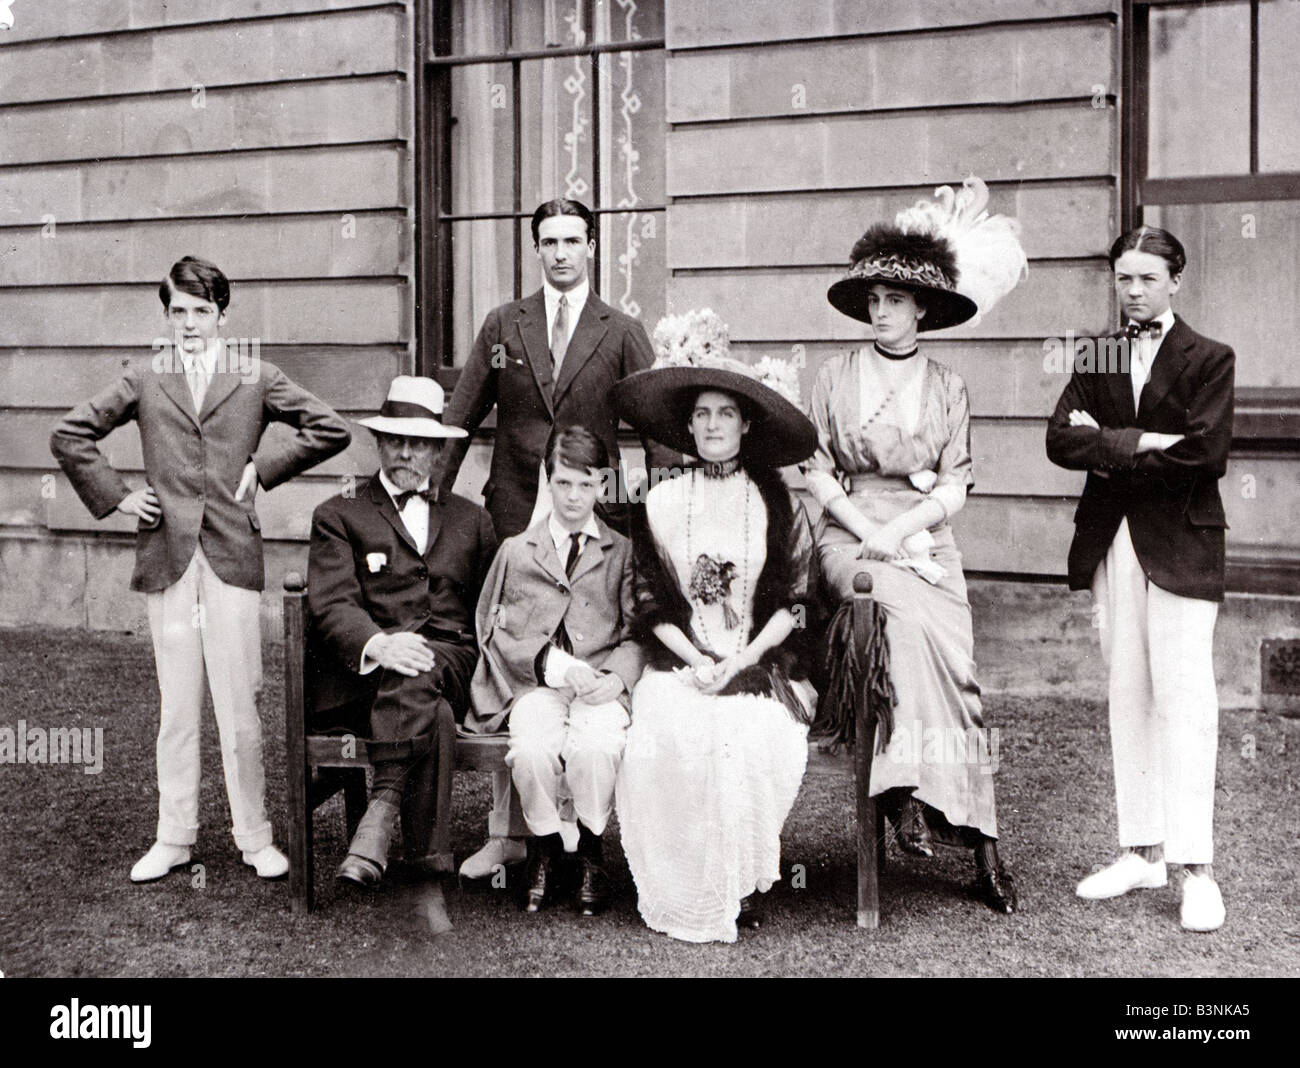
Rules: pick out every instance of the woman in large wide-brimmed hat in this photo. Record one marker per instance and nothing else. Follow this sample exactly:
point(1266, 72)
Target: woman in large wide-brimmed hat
point(893, 465)
point(718, 742)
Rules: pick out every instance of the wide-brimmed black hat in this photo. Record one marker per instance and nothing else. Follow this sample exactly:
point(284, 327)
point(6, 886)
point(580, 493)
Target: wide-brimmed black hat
point(693, 356)
point(656, 402)
point(923, 263)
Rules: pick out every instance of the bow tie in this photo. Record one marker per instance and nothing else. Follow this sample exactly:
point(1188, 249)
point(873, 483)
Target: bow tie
point(1153, 330)
point(430, 495)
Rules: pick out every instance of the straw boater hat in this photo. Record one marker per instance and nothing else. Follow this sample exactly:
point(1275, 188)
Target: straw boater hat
point(949, 251)
point(693, 354)
point(412, 409)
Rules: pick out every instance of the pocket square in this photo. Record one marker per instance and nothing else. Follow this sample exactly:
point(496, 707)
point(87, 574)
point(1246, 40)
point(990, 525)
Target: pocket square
point(376, 562)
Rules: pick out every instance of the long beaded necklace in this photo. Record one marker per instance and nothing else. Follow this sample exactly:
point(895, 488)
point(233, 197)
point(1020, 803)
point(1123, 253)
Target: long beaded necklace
point(691, 556)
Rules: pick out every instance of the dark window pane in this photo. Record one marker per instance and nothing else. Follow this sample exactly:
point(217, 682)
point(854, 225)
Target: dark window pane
point(478, 27)
point(485, 27)
point(483, 259)
point(1279, 85)
point(1239, 286)
point(1199, 91)
point(557, 141)
point(629, 20)
point(633, 264)
point(482, 146)
point(632, 129)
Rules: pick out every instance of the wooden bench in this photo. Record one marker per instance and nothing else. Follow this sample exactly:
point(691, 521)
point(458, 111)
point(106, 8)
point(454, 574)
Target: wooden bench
point(318, 766)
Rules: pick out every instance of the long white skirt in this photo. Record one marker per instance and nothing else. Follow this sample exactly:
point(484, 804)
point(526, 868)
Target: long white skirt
point(705, 787)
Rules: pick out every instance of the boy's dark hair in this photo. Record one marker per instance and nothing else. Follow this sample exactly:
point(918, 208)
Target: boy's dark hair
point(563, 206)
point(577, 447)
point(1155, 241)
point(198, 278)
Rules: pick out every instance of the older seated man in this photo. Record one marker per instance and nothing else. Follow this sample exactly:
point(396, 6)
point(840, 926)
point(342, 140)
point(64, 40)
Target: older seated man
point(394, 574)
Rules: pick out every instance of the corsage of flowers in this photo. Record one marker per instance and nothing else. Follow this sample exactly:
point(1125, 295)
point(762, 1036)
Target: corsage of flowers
point(711, 583)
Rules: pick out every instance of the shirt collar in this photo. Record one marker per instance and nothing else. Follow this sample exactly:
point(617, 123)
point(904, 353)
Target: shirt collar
point(577, 296)
point(392, 489)
point(207, 358)
point(560, 535)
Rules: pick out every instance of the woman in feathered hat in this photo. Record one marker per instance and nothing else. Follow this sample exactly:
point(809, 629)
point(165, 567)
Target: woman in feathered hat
point(718, 741)
point(893, 465)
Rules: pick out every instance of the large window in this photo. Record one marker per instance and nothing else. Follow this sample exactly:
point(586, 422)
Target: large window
point(529, 100)
point(1212, 153)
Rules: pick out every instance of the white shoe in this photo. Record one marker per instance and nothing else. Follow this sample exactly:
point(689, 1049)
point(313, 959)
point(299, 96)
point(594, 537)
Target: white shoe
point(1202, 903)
point(1130, 872)
point(498, 852)
point(269, 862)
point(159, 861)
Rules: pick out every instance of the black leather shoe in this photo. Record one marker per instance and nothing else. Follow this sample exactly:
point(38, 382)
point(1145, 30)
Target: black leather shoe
point(750, 916)
point(997, 889)
point(543, 872)
point(911, 833)
point(593, 890)
point(359, 871)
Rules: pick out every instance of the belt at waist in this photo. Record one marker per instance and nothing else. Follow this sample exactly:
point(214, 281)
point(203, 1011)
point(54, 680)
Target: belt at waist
point(872, 480)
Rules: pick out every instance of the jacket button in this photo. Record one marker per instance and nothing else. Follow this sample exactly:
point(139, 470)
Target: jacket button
point(577, 637)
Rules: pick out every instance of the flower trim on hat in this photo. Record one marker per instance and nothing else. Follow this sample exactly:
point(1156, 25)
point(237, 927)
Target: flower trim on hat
point(699, 338)
point(911, 271)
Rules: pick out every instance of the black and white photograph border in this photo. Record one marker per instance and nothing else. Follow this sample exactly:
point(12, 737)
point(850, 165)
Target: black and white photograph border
point(365, 174)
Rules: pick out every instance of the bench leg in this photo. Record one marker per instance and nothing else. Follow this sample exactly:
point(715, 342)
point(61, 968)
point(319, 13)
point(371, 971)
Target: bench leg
point(870, 853)
point(300, 826)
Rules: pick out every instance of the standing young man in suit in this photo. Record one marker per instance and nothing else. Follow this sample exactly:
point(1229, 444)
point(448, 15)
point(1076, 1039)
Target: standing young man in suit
point(201, 415)
point(1153, 435)
point(558, 659)
point(548, 360)
point(393, 578)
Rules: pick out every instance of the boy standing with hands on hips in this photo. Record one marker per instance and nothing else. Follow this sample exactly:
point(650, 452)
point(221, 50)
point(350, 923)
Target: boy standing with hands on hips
point(199, 543)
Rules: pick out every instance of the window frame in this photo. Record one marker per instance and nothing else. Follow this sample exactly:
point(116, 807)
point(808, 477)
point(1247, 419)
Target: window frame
point(1137, 189)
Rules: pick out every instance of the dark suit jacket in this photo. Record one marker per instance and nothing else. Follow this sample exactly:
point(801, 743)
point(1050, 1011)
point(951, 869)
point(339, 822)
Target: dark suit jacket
point(1170, 497)
point(194, 462)
point(365, 576)
point(527, 596)
point(510, 367)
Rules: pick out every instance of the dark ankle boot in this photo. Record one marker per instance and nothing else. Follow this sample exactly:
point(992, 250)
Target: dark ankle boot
point(911, 832)
point(367, 857)
point(543, 871)
point(751, 914)
point(994, 884)
point(593, 889)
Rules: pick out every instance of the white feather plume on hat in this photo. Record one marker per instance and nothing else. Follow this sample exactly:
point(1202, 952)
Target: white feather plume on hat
point(990, 259)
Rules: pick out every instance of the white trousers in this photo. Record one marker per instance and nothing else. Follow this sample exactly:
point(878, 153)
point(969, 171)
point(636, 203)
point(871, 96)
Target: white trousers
point(564, 759)
point(1164, 707)
point(204, 628)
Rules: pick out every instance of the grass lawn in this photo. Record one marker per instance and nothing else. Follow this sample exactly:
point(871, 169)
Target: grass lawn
point(67, 840)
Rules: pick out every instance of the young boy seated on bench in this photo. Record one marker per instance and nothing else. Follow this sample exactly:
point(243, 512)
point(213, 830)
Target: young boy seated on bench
point(558, 663)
